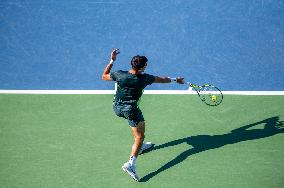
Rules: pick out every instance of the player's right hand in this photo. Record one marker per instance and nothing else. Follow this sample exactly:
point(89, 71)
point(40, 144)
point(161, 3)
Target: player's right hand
point(180, 80)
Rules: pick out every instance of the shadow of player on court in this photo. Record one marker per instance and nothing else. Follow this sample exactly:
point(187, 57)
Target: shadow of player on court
point(202, 143)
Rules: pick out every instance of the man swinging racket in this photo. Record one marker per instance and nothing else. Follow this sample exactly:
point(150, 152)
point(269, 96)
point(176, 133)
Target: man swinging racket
point(130, 85)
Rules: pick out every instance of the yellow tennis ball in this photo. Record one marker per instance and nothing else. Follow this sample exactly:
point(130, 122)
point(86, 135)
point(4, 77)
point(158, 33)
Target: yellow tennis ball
point(213, 98)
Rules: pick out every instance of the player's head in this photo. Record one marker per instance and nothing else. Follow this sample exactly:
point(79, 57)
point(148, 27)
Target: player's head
point(139, 63)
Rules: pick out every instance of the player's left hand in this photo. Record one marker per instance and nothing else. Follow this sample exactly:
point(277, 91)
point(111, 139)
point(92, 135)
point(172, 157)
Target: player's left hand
point(114, 54)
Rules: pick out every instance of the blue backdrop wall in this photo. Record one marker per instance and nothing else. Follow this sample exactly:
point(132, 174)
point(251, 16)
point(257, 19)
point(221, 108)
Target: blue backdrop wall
point(236, 45)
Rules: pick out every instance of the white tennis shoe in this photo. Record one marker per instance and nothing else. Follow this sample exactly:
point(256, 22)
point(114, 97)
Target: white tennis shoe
point(145, 147)
point(130, 169)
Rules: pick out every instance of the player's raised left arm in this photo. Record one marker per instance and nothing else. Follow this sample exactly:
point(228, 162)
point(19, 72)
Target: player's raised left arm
point(106, 73)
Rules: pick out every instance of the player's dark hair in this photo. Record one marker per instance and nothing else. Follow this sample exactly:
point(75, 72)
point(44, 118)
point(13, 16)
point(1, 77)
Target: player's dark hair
point(138, 62)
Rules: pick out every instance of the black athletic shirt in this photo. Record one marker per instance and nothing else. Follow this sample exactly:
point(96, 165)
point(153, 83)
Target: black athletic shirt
point(130, 86)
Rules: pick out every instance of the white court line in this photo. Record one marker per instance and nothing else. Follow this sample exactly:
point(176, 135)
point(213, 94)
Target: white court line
point(167, 92)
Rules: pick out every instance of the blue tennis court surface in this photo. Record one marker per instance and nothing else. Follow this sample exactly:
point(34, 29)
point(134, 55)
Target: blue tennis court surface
point(236, 45)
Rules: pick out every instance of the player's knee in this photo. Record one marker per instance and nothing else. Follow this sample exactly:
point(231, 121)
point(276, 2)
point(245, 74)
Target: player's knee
point(140, 137)
point(139, 132)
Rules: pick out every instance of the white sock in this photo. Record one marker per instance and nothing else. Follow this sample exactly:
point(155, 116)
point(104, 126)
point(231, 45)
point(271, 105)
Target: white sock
point(132, 160)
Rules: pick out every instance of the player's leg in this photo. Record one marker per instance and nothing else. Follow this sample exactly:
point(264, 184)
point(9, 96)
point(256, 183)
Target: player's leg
point(137, 125)
point(138, 133)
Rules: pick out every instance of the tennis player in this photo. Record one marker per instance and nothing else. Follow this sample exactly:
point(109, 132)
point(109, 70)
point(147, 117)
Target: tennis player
point(130, 88)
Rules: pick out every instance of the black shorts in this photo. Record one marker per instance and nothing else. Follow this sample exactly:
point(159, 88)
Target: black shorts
point(131, 112)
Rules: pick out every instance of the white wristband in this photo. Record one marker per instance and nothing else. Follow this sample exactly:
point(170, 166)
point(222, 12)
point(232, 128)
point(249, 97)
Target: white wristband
point(111, 61)
point(173, 79)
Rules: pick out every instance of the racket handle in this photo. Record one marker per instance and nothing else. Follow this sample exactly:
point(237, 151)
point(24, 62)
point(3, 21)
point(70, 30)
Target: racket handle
point(185, 82)
point(173, 79)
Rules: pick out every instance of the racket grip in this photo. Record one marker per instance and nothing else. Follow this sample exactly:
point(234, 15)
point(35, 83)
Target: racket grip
point(173, 79)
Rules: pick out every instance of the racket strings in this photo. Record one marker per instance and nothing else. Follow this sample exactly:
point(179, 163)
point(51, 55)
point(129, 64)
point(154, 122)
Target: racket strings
point(210, 95)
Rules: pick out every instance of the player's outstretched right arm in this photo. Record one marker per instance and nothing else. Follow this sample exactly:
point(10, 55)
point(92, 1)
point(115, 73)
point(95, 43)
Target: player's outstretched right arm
point(159, 79)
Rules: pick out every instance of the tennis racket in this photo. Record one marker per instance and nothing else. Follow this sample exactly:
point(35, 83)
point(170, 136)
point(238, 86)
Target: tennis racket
point(207, 93)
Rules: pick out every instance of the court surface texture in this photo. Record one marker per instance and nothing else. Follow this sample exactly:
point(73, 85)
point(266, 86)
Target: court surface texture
point(77, 141)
